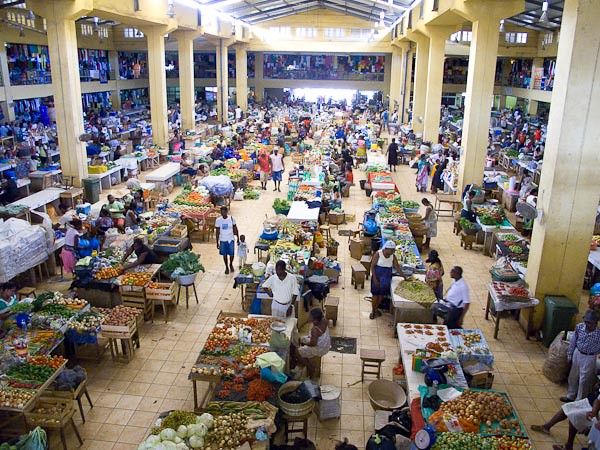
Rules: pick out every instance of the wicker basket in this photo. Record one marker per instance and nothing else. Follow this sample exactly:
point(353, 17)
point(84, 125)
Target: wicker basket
point(336, 218)
point(294, 409)
point(386, 395)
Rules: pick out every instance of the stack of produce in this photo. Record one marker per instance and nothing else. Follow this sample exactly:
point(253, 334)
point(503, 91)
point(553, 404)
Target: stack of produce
point(417, 291)
point(119, 315)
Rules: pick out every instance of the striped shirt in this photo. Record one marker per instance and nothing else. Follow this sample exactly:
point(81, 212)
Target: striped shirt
point(586, 342)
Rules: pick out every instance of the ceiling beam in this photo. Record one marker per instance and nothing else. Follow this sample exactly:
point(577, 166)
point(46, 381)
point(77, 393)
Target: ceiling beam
point(276, 9)
point(277, 16)
point(534, 26)
point(15, 3)
point(550, 5)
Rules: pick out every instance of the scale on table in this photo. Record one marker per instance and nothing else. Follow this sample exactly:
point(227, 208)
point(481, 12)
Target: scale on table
point(424, 439)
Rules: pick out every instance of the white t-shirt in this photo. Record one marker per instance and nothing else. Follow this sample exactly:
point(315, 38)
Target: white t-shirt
point(67, 217)
point(283, 290)
point(458, 294)
point(277, 162)
point(226, 228)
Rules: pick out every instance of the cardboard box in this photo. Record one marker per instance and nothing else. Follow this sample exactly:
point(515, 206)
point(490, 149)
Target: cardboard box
point(332, 274)
point(356, 248)
point(366, 244)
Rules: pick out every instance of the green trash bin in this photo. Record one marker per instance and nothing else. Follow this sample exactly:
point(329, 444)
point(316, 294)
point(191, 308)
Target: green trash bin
point(558, 317)
point(91, 189)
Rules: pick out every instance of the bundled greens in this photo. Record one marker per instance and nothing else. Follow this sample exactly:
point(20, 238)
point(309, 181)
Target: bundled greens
point(281, 204)
point(410, 204)
point(182, 263)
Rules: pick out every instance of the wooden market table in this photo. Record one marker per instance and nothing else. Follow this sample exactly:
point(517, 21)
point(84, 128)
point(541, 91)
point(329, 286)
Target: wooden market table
point(498, 309)
point(40, 200)
point(452, 199)
point(163, 175)
point(106, 177)
point(213, 380)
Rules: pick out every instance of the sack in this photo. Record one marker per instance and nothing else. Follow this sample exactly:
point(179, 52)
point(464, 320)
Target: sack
point(556, 367)
point(441, 309)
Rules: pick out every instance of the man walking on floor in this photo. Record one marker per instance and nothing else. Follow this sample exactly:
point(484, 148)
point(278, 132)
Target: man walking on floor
point(583, 352)
point(277, 168)
point(226, 229)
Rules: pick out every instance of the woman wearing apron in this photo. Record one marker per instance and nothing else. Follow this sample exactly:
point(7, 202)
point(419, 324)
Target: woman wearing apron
point(381, 275)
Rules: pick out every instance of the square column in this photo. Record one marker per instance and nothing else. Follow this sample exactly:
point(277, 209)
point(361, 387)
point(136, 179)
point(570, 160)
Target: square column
point(62, 48)
point(421, 76)
point(187, 93)
point(222, 82)
point(241, 76)
point(569, 188)
point(259, 86)
point(435, 80)
point(478, 99)
point(115, 96)
point(407, 83)
point(396, 76)
point(158, 84)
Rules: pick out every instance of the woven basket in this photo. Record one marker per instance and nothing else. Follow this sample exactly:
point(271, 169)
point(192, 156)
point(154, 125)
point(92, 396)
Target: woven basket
point(294, 409)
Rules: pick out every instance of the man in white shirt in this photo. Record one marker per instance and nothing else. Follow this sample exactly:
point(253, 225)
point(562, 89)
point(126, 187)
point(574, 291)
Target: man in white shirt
point(277, 168)
point(238, 114)
point(457, 298)
point(226, 229)
point(283, 287)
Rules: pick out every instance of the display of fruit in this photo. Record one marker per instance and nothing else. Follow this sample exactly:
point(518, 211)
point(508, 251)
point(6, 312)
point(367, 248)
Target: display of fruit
point(120, 315)
point(51, 361)
point(88, 321)
point(479, 407)
point(15, 398)
point(50, 414)
point(75, 303)
point(518, 291)
point(250, 357)
point(415, 290)
point(136, 278)
point(515, 249)
point(108, 272)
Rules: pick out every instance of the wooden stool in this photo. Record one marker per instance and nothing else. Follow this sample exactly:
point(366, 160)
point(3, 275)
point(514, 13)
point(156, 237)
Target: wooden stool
point(26, 292)
point(366, 262)
point(331, 308)
point(371, 359)
point(467, 240)
point(187, 293)
point(359, 274)
point(325, 231)
point(127, 351)
point(482, 380)
point(290, 426)
point(457, 228)
point(77, 395)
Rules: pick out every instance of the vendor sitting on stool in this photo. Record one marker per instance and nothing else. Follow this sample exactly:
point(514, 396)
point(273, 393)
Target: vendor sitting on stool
point(143, 253)
point(313, 346)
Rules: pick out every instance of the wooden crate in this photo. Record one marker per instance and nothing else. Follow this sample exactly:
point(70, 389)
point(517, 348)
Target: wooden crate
point(46, 420)
point(179, 231)
point(165, 291)
point(135, 297)
point(119, 332)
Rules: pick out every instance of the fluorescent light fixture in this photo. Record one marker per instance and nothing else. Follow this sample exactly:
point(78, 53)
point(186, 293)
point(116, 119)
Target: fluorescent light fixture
point(31, 15)
point(502, 26)
point(544, 16)
point(225, 3)
point(170, 9)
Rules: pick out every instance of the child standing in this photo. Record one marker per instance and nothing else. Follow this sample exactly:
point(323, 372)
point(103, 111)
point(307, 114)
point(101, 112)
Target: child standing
point(242, 250)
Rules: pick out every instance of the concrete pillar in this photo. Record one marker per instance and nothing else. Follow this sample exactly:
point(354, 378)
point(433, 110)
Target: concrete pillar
point(187, 94)
point(259, 82)
point(532, 108)
point(241, 76)
point(407, 84)
point(437, 52)
point(9, 111)
point(115, 96)
point(537, 63)
point(569, 187)
point(62, 47)
point(396, 76)
point(155, 37)
point(222, 82)
point(421, 76)
point(483, 54)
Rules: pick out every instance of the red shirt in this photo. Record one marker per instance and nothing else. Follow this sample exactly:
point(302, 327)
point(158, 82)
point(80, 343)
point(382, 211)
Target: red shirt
point(263, 163)
point(349, 177)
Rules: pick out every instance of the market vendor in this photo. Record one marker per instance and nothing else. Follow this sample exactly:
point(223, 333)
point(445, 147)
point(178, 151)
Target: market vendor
point(282, 286)
point(68, 214)
point(8, 295)
point(382, 264)
point(143, 253)
point(116, 210)
point(187, 165)
point(313, 346)
point(468, 212)
point(457, 298)
point(70, 249)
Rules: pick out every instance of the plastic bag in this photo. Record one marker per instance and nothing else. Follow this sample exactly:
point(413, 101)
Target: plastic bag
point(239, 195)
point(441, 421)
point(556, 367)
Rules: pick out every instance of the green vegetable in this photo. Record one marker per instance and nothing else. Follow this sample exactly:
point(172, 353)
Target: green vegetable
point(57, 310)
point(219, 171)
point(184, 263)
point(175, 419)
point(30, 372)
point(281, 204)
point(410, 204)
point(466, 223)
point(22, 307)
point(516, 249)
point(250, 194)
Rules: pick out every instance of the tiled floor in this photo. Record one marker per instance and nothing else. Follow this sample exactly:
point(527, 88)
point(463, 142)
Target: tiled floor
point(128, 397)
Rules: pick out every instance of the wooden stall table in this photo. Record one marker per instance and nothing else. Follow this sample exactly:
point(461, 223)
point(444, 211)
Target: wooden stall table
point(489, 230)
point(24, 215)
point(497, 309)
point(40, 200)
point(24, 183)
point(71, 196)
point(163, 175)
point(452, 199)
point(43, 179)
point(406, 310)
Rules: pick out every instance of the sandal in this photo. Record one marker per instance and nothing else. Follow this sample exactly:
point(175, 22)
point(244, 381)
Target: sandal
point(372, 316)
point(540, 429)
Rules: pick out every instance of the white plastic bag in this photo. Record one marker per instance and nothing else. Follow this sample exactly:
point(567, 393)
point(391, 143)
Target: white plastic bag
point(239, 195)
point(556, 367)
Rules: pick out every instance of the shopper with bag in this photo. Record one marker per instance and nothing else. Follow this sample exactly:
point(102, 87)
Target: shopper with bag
point(456, 304)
